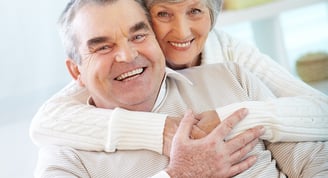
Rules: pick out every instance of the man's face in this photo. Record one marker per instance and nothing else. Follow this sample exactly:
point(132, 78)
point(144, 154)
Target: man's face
point(122, 63)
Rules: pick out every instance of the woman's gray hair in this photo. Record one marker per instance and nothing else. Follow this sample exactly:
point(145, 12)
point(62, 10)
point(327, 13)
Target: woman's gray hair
point(214, 6)
point(68, 33)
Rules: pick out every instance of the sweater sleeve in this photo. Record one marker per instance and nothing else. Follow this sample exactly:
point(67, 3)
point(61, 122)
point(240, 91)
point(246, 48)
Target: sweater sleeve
point(297, 104)
point(65, 119)
point(161, 174)
point(280, 124)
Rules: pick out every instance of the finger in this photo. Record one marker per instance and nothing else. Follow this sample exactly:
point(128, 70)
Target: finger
point(223, 129)
point(243, 139)
point(210, 113)
point(198, 117)
point(242, 166)
point(186, 125)
point(238, 155)
point(209, 121)
point(197, 133)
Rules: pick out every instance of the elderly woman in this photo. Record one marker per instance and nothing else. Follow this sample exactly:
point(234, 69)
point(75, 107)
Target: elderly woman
point(184, 30)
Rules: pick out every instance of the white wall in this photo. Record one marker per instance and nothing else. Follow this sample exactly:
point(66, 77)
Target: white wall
point(32, 58)
point(32, 68)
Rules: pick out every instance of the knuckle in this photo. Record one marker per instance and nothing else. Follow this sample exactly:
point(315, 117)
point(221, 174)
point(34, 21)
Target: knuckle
point(228, 125)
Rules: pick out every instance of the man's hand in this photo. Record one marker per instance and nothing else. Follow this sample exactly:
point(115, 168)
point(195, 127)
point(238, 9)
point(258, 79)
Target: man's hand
point(211, 156)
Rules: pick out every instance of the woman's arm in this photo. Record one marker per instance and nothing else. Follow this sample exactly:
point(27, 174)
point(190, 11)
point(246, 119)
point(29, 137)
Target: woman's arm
point(286, 119)
point(66, 119)
point(274, 76)
point(280, 124)
point(297, 104)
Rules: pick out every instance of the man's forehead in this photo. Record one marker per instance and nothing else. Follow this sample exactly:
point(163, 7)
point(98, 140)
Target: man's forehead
point(100, 19)
point(120, 7)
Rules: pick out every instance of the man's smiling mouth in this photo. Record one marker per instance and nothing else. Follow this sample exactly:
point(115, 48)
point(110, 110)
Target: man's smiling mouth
point(130, 74)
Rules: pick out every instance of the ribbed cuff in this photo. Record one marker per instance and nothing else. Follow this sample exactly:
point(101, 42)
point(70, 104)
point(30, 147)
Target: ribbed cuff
point(131, 130)
point(161, 174)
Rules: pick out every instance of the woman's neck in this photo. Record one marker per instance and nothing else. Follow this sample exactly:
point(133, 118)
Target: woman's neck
point(195, 62)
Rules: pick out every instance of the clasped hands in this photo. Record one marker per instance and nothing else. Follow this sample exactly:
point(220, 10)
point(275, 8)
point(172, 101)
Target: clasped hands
point(197, 147)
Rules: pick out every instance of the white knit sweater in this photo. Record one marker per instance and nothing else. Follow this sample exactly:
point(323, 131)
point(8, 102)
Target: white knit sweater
point(65, 119)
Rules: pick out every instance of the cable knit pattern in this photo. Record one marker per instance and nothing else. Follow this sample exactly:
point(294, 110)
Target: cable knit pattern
point(60, 123)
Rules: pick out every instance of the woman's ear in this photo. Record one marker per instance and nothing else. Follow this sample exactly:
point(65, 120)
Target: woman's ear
point(74, 70)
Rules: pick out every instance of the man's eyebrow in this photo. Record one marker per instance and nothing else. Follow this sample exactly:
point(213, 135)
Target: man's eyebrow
point(139, 26)
point(97, 40)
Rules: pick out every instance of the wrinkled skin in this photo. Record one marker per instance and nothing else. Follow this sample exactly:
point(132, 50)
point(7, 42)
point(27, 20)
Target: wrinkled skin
point(223, 159)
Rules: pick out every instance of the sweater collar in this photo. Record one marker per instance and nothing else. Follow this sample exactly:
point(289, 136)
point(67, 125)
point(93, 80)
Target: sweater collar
point(169, 73)
point(176, 76)
point(212, 49)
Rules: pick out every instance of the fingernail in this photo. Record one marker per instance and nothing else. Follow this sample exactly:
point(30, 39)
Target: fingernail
point(188, 112)
point(244, 111)
point(253, 159)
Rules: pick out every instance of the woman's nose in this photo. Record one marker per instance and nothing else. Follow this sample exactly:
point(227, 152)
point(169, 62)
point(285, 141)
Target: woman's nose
point(181, 27)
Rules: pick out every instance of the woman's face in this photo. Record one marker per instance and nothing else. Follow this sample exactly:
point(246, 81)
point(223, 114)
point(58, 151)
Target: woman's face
point(181, 30)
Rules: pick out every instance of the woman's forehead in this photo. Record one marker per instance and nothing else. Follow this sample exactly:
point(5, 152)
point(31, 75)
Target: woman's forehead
point(154, 2)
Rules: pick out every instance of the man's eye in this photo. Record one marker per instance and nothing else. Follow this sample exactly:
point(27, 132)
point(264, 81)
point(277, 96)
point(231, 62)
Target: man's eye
point(103, 49)
point(139, 38)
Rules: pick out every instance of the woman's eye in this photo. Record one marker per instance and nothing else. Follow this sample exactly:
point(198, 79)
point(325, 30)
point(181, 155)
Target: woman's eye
point(195, 11)
point(163, 14)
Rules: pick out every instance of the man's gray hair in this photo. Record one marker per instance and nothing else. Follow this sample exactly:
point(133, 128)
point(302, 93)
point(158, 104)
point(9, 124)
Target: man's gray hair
point(214, 6)
point(68, 33)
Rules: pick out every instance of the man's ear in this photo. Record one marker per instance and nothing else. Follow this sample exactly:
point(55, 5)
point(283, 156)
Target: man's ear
point(74, 70)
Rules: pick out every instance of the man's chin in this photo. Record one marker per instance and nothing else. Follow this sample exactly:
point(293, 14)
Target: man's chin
point(136, 103)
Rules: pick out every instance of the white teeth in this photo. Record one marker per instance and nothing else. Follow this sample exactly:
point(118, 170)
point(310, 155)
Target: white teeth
point(129, 74)
point(180, 45)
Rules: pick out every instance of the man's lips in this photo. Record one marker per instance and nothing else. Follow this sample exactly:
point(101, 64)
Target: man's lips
point(130, 74)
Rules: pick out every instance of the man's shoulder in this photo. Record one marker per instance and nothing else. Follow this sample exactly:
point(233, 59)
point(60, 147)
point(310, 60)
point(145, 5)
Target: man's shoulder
point(224, 67)
point(56, 150)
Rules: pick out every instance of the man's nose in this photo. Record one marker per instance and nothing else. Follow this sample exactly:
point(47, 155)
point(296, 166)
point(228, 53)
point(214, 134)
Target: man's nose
point(126, 53)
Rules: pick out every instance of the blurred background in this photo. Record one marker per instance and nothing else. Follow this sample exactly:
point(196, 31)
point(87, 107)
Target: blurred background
point(32, 64)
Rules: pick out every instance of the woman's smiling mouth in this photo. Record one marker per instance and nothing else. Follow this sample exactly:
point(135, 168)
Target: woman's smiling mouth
point(181, 45)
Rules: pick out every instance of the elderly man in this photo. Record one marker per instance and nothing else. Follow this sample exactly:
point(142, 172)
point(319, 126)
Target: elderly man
point(121, 65)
